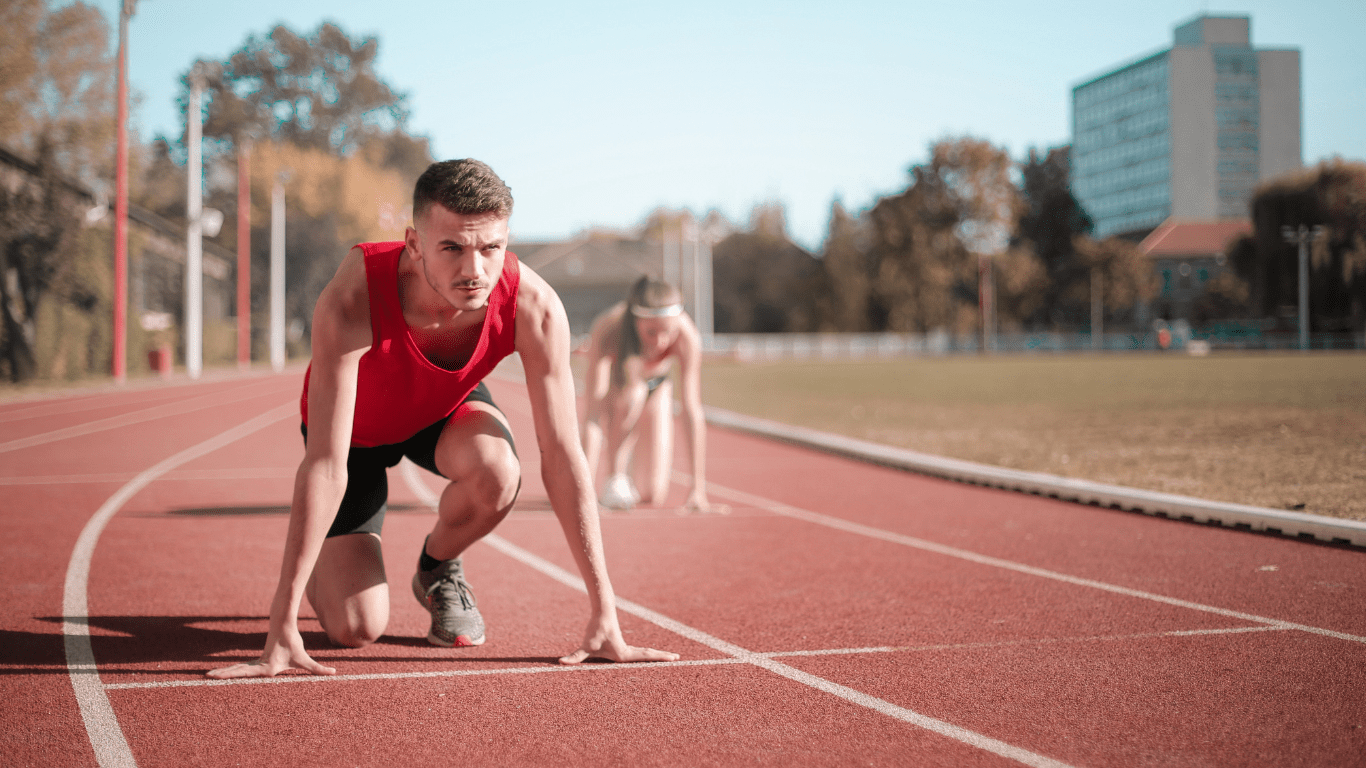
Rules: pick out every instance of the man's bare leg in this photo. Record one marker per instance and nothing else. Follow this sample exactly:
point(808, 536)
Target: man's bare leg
point(653, 461)
point(348, 590)
point(484, 478)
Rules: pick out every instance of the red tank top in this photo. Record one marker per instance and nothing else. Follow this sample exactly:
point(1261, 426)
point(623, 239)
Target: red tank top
point(398, 390)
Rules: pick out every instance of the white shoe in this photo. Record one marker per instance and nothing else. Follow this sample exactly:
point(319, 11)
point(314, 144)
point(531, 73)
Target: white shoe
point(619, 493)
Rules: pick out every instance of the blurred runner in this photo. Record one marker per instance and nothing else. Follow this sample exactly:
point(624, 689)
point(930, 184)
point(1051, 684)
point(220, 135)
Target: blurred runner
point(631, 351)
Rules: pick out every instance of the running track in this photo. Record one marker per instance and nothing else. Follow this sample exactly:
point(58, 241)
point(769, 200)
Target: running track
point(842, 614)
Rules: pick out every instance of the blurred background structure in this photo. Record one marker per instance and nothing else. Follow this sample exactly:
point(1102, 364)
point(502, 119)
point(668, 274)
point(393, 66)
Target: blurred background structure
point(1157, 222)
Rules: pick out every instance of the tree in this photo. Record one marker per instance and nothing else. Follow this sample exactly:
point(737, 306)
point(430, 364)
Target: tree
point(58, 109)
point(1050, 223)
point(1332, 195)
point(960, 205)
point(318, 92)
point(762, 281)
point(846, 272)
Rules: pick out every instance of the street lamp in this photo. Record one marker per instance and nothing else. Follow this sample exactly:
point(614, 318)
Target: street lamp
point(1303, 236)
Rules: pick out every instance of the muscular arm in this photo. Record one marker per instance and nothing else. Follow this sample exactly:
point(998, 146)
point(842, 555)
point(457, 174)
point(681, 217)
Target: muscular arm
point(341, 335)
point(543, 344)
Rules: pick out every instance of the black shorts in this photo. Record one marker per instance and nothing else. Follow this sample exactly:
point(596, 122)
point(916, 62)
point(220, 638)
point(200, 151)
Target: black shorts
point(367, 484)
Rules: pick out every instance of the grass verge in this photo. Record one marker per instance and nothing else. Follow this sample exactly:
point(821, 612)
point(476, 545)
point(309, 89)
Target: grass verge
point(1286, 431)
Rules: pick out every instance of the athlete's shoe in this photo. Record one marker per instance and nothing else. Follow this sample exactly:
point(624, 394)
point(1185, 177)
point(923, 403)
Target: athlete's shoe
point(619, 493)
point(448, 597)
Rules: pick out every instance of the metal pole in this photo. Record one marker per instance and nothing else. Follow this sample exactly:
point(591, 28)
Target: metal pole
point(277, 274)
point(244, 253)
point(1303, 236)
point(705, 320)
point(985, 302)
point(194, 241)
point(1097, 310)
point(120, 362)
point(1304, 289)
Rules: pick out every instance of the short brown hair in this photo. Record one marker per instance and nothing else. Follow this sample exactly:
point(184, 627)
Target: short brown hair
point(467, 187)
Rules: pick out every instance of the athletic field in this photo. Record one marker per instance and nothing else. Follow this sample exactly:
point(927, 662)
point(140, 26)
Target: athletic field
point(1285, 430)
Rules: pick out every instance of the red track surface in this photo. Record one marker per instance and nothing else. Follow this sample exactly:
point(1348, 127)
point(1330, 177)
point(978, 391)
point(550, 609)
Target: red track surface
point(842, 614)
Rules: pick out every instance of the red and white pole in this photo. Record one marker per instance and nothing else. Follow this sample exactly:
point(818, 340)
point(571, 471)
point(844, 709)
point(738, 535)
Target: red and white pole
point(120, 363)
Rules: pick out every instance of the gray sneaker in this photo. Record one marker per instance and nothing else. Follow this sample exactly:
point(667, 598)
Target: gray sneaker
point(445, 594)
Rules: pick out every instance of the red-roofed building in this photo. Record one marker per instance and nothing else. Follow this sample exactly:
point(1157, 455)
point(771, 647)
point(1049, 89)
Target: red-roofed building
point(1186, 255)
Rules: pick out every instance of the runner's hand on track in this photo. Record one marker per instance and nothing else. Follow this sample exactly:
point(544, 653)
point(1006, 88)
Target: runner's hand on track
point(698, 501)
point(276, 658)
point(605, 642)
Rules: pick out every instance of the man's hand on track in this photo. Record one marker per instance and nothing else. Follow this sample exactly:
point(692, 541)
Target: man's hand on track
point(604, 642)
point(276, 658)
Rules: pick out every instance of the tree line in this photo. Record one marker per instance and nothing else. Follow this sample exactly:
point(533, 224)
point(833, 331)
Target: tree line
point(912, 261)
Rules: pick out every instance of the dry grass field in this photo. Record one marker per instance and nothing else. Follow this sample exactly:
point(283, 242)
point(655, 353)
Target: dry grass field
point(1286, 430)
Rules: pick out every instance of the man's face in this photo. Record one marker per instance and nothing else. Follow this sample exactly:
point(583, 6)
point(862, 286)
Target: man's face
point(461, 255)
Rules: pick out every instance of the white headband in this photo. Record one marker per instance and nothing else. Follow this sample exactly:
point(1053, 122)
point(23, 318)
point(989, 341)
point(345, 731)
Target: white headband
point(672, 310)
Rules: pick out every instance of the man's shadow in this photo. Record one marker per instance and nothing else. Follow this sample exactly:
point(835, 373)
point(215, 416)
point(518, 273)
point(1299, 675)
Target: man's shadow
point(145, 641)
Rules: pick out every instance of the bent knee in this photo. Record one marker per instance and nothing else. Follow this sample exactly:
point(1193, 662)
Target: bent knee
point(490, 477)
point(355, 635)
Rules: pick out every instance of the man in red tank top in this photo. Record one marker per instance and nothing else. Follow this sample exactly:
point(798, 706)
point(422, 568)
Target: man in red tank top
point(402, 337)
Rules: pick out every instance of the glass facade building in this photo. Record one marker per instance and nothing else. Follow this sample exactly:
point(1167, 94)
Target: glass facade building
point(1187, 132)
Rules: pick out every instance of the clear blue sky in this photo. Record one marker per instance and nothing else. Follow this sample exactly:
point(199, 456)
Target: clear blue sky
point(597, 112)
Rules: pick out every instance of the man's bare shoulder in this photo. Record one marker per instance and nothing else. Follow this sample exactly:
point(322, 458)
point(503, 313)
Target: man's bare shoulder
point(343, 310)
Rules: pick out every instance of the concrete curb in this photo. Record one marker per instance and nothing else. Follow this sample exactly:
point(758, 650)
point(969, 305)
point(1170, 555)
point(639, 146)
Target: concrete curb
point(1169, 505)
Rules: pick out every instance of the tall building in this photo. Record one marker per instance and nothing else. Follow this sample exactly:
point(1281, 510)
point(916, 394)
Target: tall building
point(1186, 132)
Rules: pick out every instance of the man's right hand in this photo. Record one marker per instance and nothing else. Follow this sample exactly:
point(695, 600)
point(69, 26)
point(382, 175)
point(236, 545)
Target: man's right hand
point(284, 650)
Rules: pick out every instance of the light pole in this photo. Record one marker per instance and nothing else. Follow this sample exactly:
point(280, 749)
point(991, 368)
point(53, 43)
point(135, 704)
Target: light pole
point(243, 252)
point(120, 363)
point(194, 234)
point(277, 272)
point(1303, 236)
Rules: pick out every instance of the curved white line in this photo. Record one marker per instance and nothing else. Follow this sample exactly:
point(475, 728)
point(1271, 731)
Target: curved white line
point(111, 749)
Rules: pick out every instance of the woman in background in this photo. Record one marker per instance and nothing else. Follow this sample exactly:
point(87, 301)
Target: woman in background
point(629, 400)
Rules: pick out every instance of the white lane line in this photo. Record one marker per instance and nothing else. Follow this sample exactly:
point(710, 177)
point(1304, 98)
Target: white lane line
point(128, 419)
point(847, 526)
point(1024, 641)
point(111, 749)
point(73, 405)
point(302, 678)
point(972, 738)
point(118, 477)
point(305, 678)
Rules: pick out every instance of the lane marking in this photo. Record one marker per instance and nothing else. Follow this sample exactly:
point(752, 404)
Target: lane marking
point(59, 407)
point(847, 526)
point(304, 678)
point(128, 419)
point(102, 726)
point(186, 474)
point(972, 738)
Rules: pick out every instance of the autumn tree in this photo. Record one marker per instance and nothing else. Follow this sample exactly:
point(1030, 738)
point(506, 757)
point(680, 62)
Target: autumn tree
point(961, 206)
point(57, 94)
point(1051, 222)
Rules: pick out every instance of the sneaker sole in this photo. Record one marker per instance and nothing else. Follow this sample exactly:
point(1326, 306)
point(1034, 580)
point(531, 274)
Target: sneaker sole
point(461, 641)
